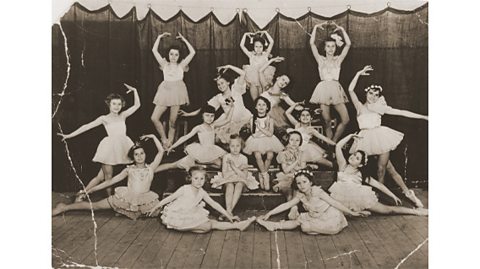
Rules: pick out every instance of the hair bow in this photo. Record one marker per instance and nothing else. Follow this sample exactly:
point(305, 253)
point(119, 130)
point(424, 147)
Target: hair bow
point(338, 39)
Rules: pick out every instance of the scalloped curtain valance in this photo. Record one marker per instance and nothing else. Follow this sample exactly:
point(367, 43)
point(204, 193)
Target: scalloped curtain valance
point(261, 11)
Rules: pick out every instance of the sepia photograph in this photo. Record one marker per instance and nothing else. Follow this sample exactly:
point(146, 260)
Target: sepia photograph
point(240, 134)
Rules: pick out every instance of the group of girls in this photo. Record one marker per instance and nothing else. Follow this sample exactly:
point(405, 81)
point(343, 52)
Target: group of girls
point(184, 210)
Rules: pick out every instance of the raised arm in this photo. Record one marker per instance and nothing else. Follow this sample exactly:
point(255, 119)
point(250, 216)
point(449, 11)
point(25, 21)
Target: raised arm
point(291, 118)
point(158, 158)
point(136, 101)
point(374, 183)
point(233, 68)
point(283, 207)
point(348, 43)
point(184, 138)
point(108, 183)
point(221, 121)
point(242, 44)
point(191, 51)
point(342, 163)
point(351, 87)
point(270, 42)
point(161, 61)
point(324, 196)
point(264, 82)
point(313, 47)
point(405, 113)
point(83, 128)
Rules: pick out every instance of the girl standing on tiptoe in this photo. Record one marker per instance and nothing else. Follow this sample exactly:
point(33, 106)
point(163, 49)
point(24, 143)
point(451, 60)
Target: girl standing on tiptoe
point(172, 92)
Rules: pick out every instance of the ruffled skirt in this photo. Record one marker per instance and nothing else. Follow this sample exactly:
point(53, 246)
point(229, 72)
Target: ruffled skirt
point(252, 77)
point(204, 153)
point(223, 133)
point(329, 93)
point(171, 93)
point(175, 217)
point(113, 150)
point(218, 180)
point(283, 182)
point(263, 145)
point(312, 152)
point(332, 221)
point(354, 196)
point(133, 205)
point(378, 140)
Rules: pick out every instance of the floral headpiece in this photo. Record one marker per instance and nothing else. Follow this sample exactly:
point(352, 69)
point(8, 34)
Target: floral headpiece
point(338, 39)
point(303, 171)
point(374, 87)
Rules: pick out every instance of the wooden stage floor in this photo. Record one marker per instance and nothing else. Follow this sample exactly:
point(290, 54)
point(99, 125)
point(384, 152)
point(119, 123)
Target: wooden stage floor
point(373, 242)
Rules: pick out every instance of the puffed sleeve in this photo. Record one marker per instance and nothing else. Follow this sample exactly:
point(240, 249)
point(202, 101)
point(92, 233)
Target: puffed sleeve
point(215, 102)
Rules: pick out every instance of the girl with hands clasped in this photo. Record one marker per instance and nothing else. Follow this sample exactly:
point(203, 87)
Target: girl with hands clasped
point(135, 199)
point(349, 188)
point(311, 151)
point(377, 139)
point(258, 57)
point(184, 210)
point(324, 214)
point(113, 149)
point(329, 92)
point(172, 92)
point(205, 152)
point(262, 141)
point(235, 175)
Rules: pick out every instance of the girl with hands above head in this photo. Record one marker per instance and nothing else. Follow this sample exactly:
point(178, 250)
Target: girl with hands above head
point(113, 149)
point(257, 58)
point(133, 200)
point(172, 92)
point(184, 209)
point(351, 186)
point(324, 214)
point(377, 139)
point(328, 91)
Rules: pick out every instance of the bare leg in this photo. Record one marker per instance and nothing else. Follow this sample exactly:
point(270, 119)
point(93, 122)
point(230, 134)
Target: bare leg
point(221, 225)
point(324, 162)
point(237, 192)
point(229, 189)
point(399, 180)
point(172, 123)
point(381, 166)
point(327, 119)
point(282, 225)
point(61, 207)
point(166, 166)
point(108, 173)
point(266, 176)
point(344, 119)
point(155, 118)
point(385, 209)
point(254, 92)
point(261, 168)
point(94, 182)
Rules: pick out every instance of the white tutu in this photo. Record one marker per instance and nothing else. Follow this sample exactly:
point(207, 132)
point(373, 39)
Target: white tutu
point(171, 93)
point(377, 140)
point(113, 150)
point(263, 145)
point(329, 93)
point(354, 196)
point(131, 204)
point(204, 153)
point(218, 180)
point(312, 152)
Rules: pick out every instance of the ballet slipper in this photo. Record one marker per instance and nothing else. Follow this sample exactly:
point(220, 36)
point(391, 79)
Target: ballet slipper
point(421, 211)
point(411, 195)
point(293, 214)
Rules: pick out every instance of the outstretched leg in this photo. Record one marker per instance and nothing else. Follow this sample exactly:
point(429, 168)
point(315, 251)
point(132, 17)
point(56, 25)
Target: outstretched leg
point(172, 121)
point(382, 166)
point(282, 225)
point(399, 180)
point(385, 209)
point(344, 119)
point(155, 118)
point(237, 192)
point(327, 119)
point(222, 225)
point(61, 207)
point(94, 182)
point(108, 174)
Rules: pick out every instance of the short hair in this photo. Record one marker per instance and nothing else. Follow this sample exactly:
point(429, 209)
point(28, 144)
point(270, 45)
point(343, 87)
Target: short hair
point(131, 151)
point(269, 105)
point(179, 49)
point(192, 169)
point(113, 96)
point(238, 137)
point(295, 132)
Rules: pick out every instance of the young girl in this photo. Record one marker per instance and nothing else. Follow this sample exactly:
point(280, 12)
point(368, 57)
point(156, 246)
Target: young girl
point(262, 141)
point(376, 139)
point(258, 57)
point(184, 210)
point(311, 151)
point(292, 160)
point(329, 92)
point(113, 149)
point(349, 188)
point(205, 152)
point(135, 199)
point(172, 92)
point(228, 95)
point(234, 175)
point(324, 214)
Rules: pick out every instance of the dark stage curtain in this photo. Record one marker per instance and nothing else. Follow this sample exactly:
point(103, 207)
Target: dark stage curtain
point(106, 51)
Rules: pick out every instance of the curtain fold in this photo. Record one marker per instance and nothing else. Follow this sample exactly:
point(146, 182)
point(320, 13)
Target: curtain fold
point(106, 51)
